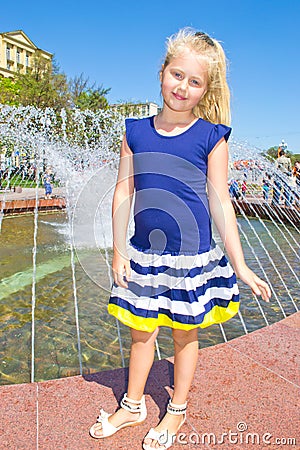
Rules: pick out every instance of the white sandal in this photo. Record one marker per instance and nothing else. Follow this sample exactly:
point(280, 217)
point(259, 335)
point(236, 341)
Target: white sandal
point(108, 429)
point(164, 438)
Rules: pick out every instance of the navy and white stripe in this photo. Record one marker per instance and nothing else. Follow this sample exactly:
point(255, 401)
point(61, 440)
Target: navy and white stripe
point(183, 288)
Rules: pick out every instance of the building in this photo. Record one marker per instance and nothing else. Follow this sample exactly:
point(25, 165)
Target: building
point(17, 52)
point(137, 109)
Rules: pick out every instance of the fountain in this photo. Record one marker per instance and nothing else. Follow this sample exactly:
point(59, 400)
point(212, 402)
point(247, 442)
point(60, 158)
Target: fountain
point(56, 264)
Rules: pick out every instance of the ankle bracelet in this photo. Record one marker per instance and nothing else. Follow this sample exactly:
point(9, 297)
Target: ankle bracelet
point(176, 409)
point(133, 406)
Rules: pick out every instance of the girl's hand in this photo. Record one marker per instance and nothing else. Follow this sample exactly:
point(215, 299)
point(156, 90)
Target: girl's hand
point(121, 267)
point(258, 286)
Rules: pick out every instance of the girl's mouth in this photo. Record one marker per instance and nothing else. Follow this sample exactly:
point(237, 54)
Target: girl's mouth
point(178, 97)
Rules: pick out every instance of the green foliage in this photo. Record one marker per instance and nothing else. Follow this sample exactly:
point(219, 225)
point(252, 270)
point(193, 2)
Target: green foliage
point(128, 108)
point(6, 146)
point(9, 92)
point(295, 157)
point(92, 100)
point(271, 153)
point(17, 180)
point(45, 86)
point(85, 96)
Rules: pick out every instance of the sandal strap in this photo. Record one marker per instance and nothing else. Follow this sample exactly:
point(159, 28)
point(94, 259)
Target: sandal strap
point(107, 427)
point(176, 410)
point(164, 438)
point(128, 404)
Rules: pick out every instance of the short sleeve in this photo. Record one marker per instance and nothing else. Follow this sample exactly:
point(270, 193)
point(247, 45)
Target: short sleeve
point(218, 132)
point(129, 125)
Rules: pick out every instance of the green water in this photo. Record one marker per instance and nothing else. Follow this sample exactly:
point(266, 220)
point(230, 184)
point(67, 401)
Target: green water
point(56, 353)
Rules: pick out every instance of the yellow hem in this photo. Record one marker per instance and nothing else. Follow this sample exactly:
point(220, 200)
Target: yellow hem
point(217, 314)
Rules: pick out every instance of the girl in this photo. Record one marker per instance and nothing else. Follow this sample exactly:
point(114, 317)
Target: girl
point(172, 273)
point(47, 185)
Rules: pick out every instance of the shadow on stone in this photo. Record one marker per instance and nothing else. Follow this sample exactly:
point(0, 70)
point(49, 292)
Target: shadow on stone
point(161, 376)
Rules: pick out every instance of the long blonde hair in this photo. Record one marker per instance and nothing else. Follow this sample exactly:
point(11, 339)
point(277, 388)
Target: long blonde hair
point(215, 104)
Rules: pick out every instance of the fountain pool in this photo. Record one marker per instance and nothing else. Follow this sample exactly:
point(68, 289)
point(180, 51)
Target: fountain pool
point(56, 351)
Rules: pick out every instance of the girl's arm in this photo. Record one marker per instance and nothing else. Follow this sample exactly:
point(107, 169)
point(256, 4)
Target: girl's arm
point(223, 215)
point(120, 215)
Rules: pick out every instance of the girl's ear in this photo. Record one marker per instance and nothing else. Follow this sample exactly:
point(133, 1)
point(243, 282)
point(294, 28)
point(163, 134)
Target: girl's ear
point(161, 72)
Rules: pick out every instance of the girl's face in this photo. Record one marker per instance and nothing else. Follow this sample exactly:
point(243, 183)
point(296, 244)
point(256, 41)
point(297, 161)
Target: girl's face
point(184, 81)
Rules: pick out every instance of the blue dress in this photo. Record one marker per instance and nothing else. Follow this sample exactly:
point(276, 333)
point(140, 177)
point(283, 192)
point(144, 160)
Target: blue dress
point(179, 277)
point(47, 185)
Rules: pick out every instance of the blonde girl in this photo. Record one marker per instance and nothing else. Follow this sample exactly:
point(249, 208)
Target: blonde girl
point(172, 273)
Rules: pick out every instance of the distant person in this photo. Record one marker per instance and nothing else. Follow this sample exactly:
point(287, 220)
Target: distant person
point(283, 146)
point(296, 173)
point(276, 191)
point(283, 163)
point(234, 189)
point(244, 188)
point(1, 176)
point(32, 172)
point(47, 184)
point(266, 187)
point(296, 183)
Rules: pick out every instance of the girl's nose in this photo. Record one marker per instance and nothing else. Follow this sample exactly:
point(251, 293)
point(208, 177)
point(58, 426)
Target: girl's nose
point(183, 84)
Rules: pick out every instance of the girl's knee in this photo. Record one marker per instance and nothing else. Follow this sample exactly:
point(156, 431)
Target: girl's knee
point(144, 336)
point(182, 337)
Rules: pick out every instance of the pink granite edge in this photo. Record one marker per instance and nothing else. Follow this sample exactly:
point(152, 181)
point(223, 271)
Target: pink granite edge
point(267, 346)
point(18, 412)
point(63, 402)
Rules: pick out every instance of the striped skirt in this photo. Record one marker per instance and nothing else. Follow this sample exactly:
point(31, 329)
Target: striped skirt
point(177, 291)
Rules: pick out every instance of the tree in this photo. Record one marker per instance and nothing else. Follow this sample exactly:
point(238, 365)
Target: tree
point(43, 86)
point(128, 108)
point(9, 92)
point(295, 157)
point(77, 86)
point(84, 96)
point(271, 153)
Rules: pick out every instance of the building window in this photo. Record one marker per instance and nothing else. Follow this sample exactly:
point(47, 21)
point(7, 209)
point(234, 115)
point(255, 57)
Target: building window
point(27, 60)
point(8, 66)
point(8, 55)
point(18, 56)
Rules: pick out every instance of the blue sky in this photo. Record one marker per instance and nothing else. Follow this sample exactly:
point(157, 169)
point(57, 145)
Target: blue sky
point(120, 44)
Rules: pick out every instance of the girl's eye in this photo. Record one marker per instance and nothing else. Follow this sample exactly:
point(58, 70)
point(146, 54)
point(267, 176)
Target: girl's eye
point(195, 82)
point(177, 74)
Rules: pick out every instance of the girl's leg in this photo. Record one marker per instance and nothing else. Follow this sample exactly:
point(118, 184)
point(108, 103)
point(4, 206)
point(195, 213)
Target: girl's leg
point(185, 360)
point(141, 360)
